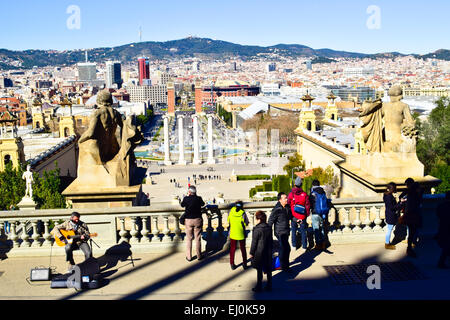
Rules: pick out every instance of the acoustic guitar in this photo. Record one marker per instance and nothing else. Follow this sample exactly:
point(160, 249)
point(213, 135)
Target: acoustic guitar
point(70, 237)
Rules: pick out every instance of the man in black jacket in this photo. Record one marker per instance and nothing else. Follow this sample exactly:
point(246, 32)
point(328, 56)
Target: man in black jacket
point(279, 219)
point(194, 223)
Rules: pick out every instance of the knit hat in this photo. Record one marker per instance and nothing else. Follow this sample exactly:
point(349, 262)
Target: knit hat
point(298, 182)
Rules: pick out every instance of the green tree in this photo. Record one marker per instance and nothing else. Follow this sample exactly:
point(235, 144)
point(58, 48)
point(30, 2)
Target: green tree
point(433, 144)
point(295, 162)
point(47, 190)
point(12, 186)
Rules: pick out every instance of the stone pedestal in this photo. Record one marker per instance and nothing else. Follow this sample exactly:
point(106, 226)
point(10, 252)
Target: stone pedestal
point(27, 204)
point(368, 175)
point(100, 197)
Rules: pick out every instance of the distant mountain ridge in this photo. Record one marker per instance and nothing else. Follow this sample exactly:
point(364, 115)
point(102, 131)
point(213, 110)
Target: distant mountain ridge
point(187, 47)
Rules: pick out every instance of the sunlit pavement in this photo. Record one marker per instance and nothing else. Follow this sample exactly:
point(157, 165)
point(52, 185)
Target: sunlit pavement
point(171, 277)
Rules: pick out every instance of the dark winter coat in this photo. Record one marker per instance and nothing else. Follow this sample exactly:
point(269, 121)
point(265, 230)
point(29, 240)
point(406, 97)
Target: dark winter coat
point(280, 218)
point(391, 209)
point(413, 215)
point(193, 205)
point(262, 246)
point(443, 236)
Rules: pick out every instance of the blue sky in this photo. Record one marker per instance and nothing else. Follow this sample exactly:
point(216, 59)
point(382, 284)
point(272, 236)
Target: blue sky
point(414, 26)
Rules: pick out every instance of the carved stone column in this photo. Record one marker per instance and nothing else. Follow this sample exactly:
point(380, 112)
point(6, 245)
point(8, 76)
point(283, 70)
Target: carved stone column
point(167, 160)
point(211, 159)
point(181, 160)
point(196, 142)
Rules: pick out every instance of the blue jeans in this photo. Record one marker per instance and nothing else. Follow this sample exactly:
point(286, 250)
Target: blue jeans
point(390, 227)
point(7, 227)
point(285, 250)
point(318, 228)
point(302, 226)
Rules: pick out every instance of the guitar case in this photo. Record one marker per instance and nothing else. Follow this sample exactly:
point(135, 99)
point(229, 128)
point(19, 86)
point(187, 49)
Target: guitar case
point(83, 276)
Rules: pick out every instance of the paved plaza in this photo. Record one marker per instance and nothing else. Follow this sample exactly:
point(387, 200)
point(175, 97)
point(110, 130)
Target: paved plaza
point(170, 277)
point(164, 191)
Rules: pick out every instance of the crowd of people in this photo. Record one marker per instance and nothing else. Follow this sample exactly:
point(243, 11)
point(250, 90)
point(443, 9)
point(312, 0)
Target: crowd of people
point(289, 219)
point(286, 219)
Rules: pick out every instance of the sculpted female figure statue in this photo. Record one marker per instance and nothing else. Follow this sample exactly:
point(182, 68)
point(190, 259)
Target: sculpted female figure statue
point(384, 123)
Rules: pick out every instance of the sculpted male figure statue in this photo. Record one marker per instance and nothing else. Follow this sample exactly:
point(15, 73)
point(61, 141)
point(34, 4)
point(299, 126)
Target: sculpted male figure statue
point(106, 153)
point(101, 134)
point(384, 123)
point(28, 177)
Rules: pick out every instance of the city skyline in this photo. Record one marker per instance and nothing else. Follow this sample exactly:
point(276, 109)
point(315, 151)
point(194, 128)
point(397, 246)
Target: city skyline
point(363, 26)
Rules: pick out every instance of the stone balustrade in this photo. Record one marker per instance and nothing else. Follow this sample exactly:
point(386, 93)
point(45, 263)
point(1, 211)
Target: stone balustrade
point(157, 228)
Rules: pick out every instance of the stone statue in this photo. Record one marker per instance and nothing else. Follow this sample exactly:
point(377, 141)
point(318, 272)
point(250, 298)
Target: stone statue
point(388, 126)
point(28, 177)
point(106, 148)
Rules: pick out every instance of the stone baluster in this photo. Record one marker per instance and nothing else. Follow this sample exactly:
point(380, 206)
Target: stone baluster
point(334, 227)
point(177, 230)
point(134, 231)
point(25, 237)
point(220, 228)
point(166, 230)
point(367, 222)
point(357, 223)
point(145, 232)
point(35, 236)
point(47, 235)
point(3, 237)
point(378, 220)
point(347, 222)
point(14, 237)
point(210, 229)
point(123, 232)
point(155, 230)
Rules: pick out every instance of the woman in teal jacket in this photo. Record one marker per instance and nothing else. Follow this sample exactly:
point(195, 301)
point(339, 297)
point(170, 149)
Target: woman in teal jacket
point(237, 220)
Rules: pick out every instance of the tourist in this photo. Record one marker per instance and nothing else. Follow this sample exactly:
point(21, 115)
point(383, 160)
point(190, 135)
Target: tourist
point(319, 214)
point(300, 208)
point(237, 221)
point(390, 204)
point(279, 220)
point(412, 216)
point(82, 235)
point(261, 250)
point(443, 236)
point(194, 222)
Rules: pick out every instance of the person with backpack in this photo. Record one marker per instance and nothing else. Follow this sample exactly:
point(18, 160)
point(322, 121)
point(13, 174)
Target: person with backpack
point(237, 220)
point(300, 208)
point(319, 214)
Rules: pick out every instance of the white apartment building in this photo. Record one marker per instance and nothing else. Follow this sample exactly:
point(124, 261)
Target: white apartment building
point(152, 94)
point(359, 72)
point(270, 89)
